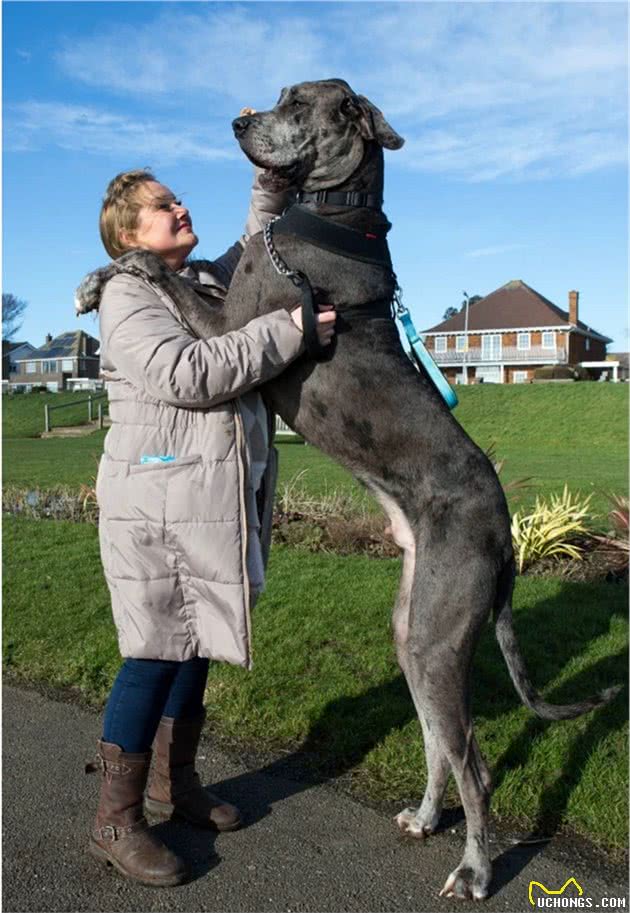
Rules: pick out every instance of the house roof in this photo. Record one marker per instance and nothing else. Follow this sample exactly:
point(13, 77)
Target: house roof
point(513, 306)
point(9, 346)
point(68, 345)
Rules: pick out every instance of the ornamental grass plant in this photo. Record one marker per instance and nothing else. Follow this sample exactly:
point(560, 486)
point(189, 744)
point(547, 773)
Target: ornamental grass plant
point(553, 528)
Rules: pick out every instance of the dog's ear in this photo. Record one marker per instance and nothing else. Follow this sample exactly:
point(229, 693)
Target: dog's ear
point(371, 122)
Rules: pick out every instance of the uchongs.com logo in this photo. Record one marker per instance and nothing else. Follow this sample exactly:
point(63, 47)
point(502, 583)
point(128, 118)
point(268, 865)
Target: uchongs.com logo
point(570, 897)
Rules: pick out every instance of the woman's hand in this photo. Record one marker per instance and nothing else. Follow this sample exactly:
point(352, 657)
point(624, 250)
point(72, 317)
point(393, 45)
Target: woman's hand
point(325, 322)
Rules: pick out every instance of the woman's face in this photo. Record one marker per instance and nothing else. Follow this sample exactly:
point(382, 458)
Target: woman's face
point(164, 226)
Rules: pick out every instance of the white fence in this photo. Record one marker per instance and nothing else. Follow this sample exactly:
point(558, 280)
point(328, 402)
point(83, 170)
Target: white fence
point(506, 354)
point(282, 427)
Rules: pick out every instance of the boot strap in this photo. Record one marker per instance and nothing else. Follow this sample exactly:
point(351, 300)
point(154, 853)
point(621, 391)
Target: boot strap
point(104, 766)
point(113, 832)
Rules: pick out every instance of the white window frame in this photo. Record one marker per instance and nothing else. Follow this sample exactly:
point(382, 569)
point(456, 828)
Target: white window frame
point(49, 366)
point(490, 349)
point(67, 364)
point(440, 345)
point(31, 367)
point(519, 377)
point(461, 343)
point(524, 340)
point(549, 334)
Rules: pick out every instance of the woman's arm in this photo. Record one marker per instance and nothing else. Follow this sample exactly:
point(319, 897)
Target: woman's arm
point(144, 342)
point(264, 205)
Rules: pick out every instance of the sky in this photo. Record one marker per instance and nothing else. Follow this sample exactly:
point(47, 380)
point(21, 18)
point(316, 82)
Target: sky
point(514, 116)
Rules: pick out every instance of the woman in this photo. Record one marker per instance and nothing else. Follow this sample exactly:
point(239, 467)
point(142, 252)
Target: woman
point(185, 460)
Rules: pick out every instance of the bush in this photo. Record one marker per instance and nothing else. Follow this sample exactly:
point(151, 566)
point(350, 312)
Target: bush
point(561, 372)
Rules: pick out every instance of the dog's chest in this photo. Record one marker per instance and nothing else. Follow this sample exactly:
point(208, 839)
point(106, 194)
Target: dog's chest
point(341, 279)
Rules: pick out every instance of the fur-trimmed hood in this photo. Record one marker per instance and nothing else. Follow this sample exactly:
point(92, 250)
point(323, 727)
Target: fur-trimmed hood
point(200, 276)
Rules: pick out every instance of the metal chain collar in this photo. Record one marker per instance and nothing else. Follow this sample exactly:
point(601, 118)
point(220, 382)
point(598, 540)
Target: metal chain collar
point(278, 263)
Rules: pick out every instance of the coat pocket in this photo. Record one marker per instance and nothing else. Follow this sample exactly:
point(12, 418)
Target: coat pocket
point(162, 467)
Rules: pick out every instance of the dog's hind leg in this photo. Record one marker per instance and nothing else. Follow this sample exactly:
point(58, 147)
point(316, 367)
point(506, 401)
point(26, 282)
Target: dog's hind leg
point(447, 611)
point(422, 821)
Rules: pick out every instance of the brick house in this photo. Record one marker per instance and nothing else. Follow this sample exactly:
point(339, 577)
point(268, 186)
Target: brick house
point(69, 361)
point(510, 333)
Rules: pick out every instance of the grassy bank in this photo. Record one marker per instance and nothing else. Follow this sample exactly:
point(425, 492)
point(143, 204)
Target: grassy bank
point(567, 433)
point(23, 414)
point(326, 681)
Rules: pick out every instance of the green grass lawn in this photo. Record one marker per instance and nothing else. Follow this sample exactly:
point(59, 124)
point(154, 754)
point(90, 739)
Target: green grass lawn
point(326, 681)
point(573, 433)
point(23, 414)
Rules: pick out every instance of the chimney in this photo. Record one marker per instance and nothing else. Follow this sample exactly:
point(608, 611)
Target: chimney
point(48, 338)
point(573, 307)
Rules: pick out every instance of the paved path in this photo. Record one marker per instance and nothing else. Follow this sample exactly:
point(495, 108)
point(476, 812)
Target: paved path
point(306, 847)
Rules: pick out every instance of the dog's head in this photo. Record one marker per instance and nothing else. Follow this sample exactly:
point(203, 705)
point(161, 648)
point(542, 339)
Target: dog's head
point(314, 137)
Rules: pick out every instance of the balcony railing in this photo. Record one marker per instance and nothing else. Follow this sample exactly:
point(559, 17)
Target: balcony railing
point(505, 355)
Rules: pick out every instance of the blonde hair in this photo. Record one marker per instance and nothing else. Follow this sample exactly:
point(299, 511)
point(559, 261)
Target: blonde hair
point(121, 205)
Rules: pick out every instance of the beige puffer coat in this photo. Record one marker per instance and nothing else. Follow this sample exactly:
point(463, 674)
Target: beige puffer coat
point(174, 535)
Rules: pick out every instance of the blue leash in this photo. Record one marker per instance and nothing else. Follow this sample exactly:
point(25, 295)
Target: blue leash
point(420, 354)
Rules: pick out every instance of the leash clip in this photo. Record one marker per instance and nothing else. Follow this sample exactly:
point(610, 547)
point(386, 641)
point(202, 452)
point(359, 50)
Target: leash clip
point(399, 307)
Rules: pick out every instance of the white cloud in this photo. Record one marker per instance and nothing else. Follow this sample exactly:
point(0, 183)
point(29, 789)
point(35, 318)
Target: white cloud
point(87, 129)
point(493, 251)
point(480, 90)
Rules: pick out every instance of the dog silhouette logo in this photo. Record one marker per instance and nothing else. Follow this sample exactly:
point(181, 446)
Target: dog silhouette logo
point(537, 884)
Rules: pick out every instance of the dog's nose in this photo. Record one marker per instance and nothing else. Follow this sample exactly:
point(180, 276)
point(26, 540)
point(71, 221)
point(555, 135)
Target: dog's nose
point(240, 125)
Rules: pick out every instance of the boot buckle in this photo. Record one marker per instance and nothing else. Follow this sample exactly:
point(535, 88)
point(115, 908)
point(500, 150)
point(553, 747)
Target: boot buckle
point(109, 832)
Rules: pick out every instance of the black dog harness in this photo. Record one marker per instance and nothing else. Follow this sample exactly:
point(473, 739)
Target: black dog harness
point(368, 247)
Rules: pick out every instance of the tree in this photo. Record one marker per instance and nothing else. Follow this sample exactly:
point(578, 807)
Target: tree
point(448, 313)
point(472, 300)
point(12, 309)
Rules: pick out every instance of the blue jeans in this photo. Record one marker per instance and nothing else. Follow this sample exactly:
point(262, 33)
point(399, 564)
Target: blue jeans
point(147, 689)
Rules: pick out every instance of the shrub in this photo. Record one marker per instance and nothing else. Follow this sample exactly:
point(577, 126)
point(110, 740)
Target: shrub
point(551, 529)
point(561, 372)
point(616, 542)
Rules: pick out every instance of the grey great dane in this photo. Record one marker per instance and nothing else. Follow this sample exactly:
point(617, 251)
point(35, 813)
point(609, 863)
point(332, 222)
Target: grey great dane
point(370, 410)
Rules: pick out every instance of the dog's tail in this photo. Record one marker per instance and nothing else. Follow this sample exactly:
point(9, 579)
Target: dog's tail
point(516, 666)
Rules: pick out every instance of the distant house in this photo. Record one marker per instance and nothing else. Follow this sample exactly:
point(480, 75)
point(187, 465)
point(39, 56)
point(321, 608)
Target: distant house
point(623, 366)
point(510, 333)
point(11, 351)
point(69, 361)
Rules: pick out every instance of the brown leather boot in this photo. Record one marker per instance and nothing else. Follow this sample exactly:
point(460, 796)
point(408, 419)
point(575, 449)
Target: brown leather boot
point(174, 785)
point(121, 835)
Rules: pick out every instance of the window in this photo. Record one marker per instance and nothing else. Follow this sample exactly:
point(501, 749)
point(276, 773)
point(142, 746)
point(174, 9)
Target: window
point(523, 341)
point(49, 367)
point(460, 344)
point(31, 367)
point(519, 377)
point(588, 344)
point(440, 343)
point(66, 364)
point(549, 340)
point(491, 347)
